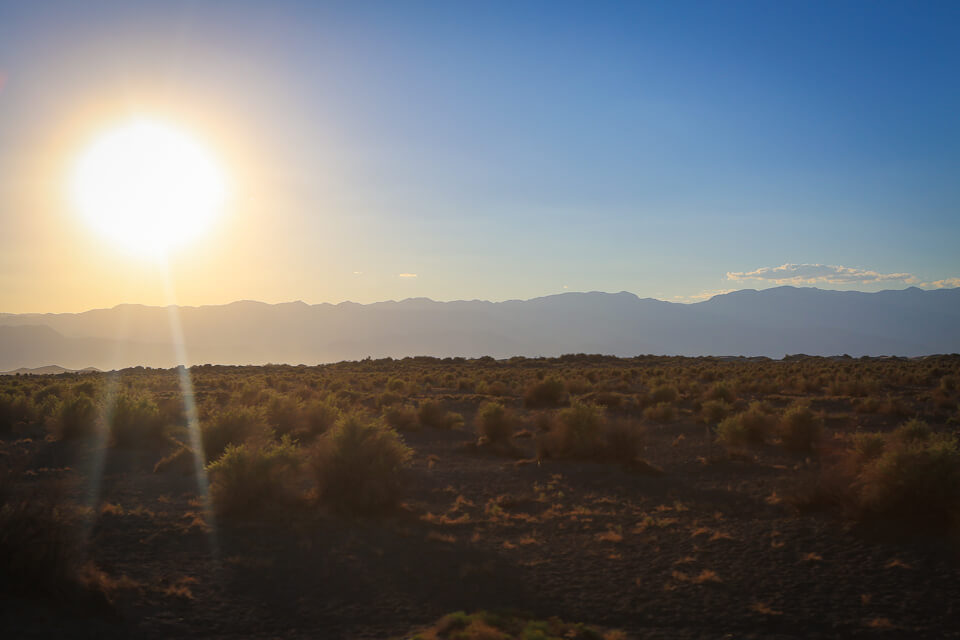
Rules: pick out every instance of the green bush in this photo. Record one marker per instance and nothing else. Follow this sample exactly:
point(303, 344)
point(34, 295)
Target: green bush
point(913, 480)
point(319, 416)
point(249, 477)
point(546, 393)
point(752, 426)
point(359, 465)
point(76, 417)
point(660, 412)
point(496, 422)
point(915, 430)
point(868, 446)
point(402, 418)
point(800, 428)
point(432, 414)
point(134, 420)
point(664, 393)
point(575, 432)
point(15, 408)
point(284, 413)
point(713, 411)
point(910, 476)
point(721, 392)
point(230, 426)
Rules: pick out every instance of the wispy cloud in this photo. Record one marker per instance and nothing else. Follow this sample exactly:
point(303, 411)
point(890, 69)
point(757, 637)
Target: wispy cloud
point(819, 273)
point(408, 275)
point(358, 273)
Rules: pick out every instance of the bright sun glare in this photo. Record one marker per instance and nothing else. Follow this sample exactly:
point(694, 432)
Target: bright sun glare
point(148, 186)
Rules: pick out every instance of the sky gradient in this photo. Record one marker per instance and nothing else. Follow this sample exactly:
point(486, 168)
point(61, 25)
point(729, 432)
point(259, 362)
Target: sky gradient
point(495, 150)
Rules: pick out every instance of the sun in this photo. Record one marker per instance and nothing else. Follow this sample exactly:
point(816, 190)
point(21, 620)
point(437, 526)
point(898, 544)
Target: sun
point(148, 186)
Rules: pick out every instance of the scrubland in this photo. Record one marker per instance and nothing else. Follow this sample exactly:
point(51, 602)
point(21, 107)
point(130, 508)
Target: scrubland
point(475, 499)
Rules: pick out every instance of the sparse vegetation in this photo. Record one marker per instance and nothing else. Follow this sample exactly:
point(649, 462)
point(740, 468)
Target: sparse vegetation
point(134, 420)
point(562, 470)
point(544, 394)
point(749, 427)
point(248, 477)
point(496, 423)
point(359, 465)
point(800, 428)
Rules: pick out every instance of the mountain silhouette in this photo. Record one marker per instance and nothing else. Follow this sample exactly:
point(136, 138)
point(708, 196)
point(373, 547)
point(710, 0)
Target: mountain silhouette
point(772, 322)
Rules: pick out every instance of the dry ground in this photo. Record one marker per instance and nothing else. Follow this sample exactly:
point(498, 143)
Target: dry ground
point(709, 548)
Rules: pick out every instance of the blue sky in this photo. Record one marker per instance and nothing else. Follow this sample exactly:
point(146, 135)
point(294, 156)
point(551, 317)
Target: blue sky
point(501, 150)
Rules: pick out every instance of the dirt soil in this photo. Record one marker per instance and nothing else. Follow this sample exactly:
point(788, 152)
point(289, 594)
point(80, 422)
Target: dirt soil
point(707, 549)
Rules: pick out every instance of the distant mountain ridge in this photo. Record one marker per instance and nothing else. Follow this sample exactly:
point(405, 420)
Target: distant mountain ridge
point(49, 370)
point(770, 322)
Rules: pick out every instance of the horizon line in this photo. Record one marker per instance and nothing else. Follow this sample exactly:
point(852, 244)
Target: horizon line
point(474, 300)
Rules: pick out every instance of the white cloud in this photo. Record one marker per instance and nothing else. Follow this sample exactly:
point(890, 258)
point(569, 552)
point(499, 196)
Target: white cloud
point(408, 275)
point(946, 283)
point(358, 273)
point(819, 273)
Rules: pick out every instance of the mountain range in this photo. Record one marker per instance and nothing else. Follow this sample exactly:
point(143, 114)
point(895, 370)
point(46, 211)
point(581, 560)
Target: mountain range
point(771, 322)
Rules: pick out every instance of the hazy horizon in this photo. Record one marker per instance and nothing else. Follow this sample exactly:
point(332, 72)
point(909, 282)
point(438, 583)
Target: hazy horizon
point(430, 299)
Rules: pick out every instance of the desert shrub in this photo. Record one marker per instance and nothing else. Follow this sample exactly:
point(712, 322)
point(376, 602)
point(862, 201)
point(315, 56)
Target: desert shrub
point(388, 398)
point(466, 385)
point(77, 417)
point(800, 428)
point(752, 426)
point(396, 385)
point(575, 432)
point(914, 479)
point(496, 388)
point(578, 385)
point(867, 446)
point(912, 431)
point(895, 406)
point(47, 392)
point(546, 393)
point(432, 414)
point(87, 388)
point(496, 422)
point(660, 412)
point(15, 408)
point(251, 476)
point(230, 426)
point(713, 411)
point(181, 460)
point(172, 410)
point(402, 418)
point(284, 413)
point(359, 465)
point(911, 476)
point(664, 393)
point(609, 399)
point(319, 416)
point(133, 420)
point(722, 392)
